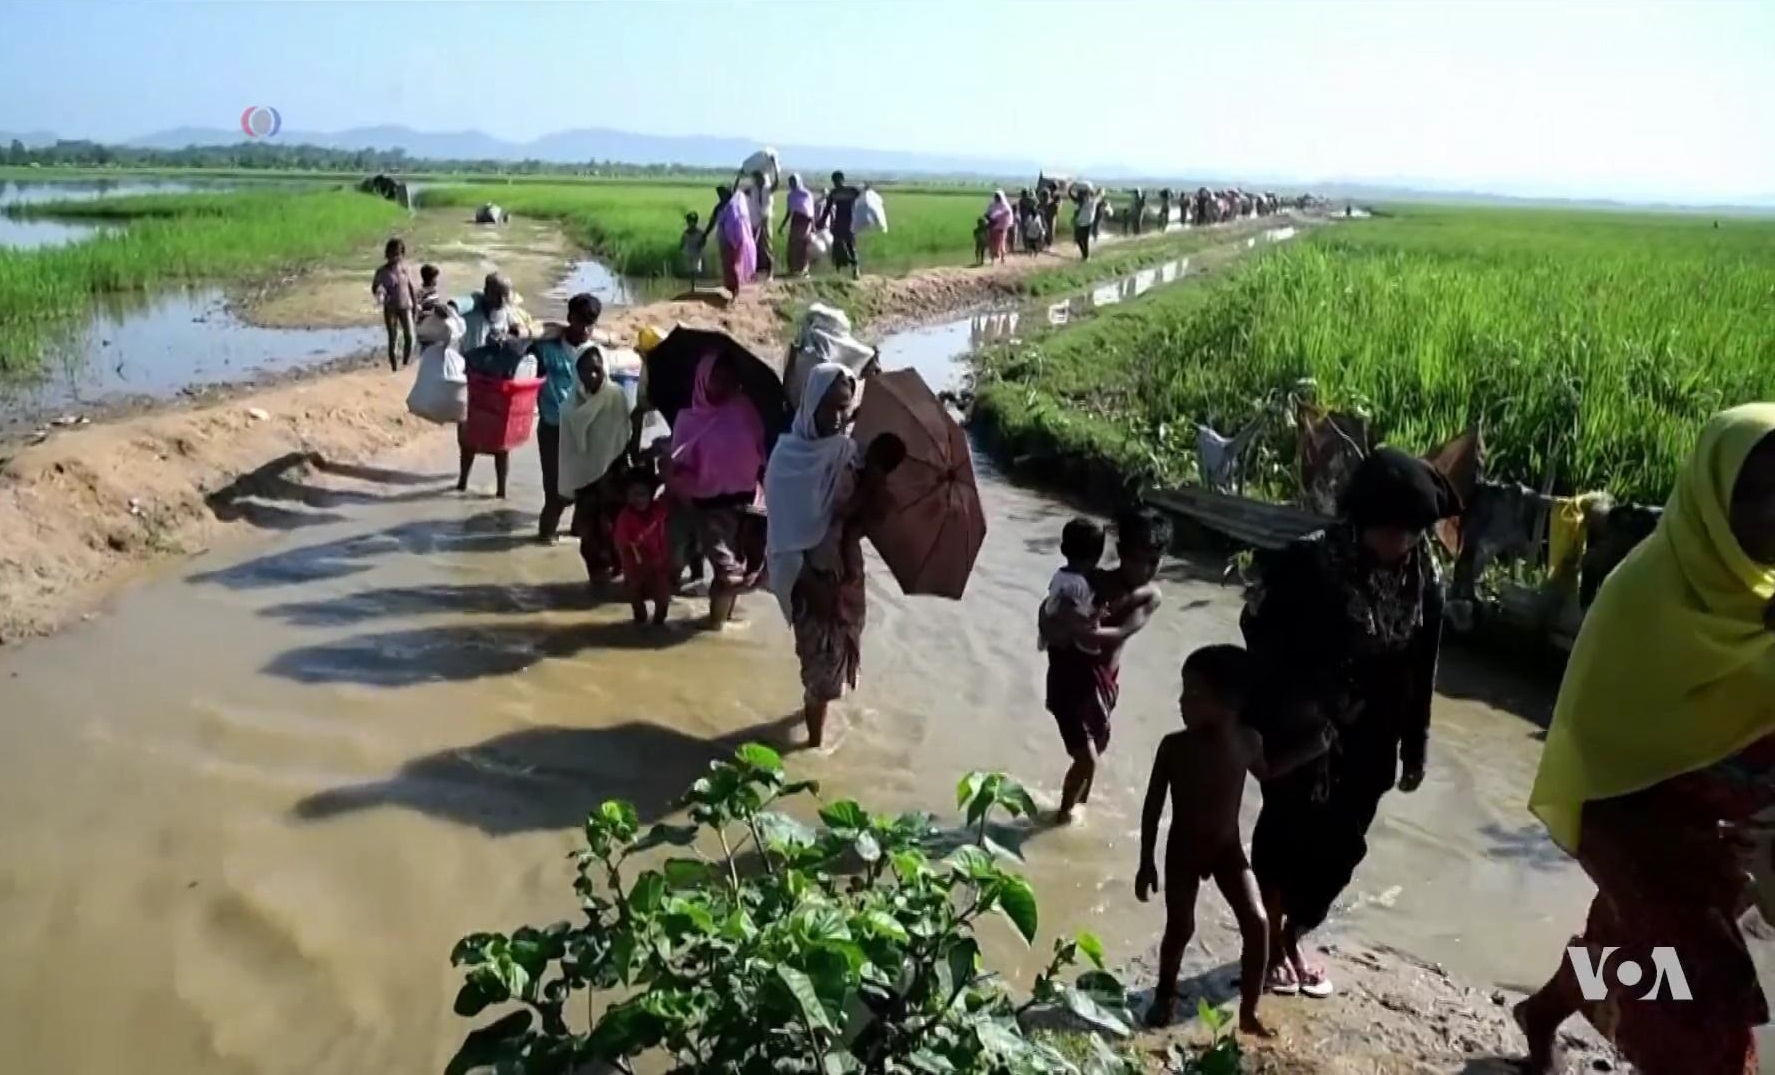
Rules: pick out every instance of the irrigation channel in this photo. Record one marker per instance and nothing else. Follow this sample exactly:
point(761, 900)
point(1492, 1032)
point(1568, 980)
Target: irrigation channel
point(160, 344)
point(253, 805)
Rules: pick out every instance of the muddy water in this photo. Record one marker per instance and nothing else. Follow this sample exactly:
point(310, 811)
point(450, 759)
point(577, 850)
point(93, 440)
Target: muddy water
point(251, 807)
point(159, 344)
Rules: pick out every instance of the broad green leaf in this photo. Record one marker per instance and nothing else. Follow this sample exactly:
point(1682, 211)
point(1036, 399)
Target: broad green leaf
point(1002, 1041)
point(933, 1062)
point(968, 788)
point(473, 998)
point(973, 863)
point(782, 831)
point(883, 924)
point(494, 1043)
point(619, 815)
point(868, 848)
point(801, 990)
point(648, 891)
point(841, 1062)
point(963, 962)
point(760, 756)
point(1086, 1007)
point(1016, 799)
point(1092, 947)
point(845, 814)
point(1017, 900)
point(910, 865)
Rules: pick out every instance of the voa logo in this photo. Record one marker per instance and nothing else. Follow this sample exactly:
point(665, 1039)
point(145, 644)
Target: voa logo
point(1668, 980)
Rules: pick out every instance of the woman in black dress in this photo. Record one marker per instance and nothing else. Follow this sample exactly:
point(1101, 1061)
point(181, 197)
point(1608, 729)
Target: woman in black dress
point(1345, 625)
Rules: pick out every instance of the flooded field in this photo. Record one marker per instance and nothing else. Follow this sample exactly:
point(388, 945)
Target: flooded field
point(158, 345)
point(26, 234)
point(253, 806)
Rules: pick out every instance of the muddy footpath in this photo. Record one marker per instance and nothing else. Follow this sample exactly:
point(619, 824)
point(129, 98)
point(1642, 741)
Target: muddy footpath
point(340, 715)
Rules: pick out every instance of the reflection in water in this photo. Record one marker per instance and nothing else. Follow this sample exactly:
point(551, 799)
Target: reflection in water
point(597, 278)
point(156, 345)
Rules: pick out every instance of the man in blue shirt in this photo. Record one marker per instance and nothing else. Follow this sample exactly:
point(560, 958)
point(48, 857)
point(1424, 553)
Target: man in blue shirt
point(557, 358)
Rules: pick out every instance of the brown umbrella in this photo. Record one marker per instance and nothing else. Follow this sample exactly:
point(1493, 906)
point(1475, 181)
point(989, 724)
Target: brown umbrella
point(933, 530)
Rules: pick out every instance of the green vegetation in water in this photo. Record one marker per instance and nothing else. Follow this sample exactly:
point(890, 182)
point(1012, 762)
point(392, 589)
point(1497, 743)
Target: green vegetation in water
point(165, 239)
point(636, 227)
point(1592, 343)
point(752, 942)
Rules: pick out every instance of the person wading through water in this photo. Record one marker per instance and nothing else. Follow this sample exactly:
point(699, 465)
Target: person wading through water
point(557, 362)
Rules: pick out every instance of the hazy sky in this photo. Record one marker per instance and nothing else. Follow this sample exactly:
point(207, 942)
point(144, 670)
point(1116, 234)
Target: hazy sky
point(1623, 99)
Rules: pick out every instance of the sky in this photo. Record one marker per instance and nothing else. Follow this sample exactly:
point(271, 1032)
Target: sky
point(1658, 101)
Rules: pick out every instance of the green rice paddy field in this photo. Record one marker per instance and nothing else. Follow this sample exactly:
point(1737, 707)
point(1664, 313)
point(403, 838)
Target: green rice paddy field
point(1596, 343)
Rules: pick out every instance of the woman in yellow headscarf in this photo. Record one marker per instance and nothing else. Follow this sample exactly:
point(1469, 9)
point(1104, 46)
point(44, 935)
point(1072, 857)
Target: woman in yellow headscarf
point(1662, 743)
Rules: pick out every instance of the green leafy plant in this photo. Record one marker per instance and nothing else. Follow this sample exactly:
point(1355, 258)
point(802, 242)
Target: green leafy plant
point(752, 942)
point(1221, 1056)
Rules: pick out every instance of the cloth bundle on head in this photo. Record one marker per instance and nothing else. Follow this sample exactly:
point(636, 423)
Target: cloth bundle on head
point(801, 200)
point(717, 448)
point(594, 433)
point(1674, 668)
point(999, 212)
point(801, 486)
point(1392, 488)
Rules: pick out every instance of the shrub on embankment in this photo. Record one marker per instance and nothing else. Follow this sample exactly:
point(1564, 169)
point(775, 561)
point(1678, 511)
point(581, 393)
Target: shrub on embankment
point(635, 227)
point(173, 239)
point(1597, 341)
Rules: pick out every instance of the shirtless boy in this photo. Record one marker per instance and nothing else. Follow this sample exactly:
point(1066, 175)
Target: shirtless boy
point(1203, 769)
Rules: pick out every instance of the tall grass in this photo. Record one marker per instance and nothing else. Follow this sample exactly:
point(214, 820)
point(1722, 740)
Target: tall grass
point(171, 239)
point(635, 227)
point(1591, 343)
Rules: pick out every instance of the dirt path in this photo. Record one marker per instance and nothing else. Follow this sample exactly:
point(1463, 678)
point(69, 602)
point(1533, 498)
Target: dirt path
point(91, 504)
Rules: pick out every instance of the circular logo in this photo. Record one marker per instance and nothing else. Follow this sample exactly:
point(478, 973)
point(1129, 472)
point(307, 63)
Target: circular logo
point(260, 121)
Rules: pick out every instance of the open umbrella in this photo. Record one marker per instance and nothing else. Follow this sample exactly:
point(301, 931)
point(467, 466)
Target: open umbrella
point(671, 376)
point(933, 530)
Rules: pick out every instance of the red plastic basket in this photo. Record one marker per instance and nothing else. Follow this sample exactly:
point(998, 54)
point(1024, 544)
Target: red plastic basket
point(501, 413)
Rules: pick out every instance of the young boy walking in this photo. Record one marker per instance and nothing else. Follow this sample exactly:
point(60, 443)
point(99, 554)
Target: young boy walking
point(1085, 653)
point(1202, 770)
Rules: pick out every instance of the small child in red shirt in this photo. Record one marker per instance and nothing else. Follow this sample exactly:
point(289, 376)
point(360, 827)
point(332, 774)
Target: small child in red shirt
point(643, 545)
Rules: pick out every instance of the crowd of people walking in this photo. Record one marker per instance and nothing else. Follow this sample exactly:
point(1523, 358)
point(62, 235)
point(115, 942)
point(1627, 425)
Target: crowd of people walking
point(1658, 774)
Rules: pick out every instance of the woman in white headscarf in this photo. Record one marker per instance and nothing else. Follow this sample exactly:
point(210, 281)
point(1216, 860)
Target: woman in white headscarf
point(814, 561)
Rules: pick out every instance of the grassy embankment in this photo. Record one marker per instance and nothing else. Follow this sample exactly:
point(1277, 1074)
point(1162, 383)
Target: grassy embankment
point(163, 239)
point(1601, 341)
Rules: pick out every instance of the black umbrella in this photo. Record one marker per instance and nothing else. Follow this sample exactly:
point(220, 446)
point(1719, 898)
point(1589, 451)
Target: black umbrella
point(671, 376)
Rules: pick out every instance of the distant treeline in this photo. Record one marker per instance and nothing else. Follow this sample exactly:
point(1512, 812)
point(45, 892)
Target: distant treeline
point(283, 157)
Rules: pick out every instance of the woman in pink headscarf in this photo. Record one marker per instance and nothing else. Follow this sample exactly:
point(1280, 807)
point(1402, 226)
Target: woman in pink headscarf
point(716, 462)
point(732, 222)
point(800, 222)
point(1000, 220)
